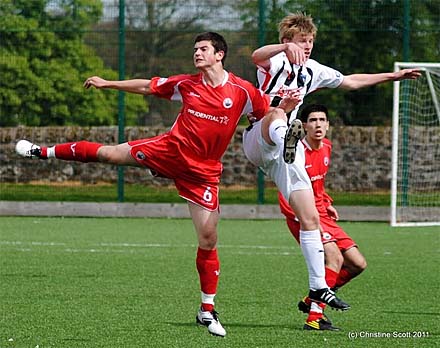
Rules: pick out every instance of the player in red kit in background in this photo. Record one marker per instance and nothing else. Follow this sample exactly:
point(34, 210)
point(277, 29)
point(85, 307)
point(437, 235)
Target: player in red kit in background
point(343, 259)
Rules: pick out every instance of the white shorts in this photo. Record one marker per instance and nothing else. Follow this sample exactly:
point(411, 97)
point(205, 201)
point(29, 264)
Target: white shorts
point(287, 177)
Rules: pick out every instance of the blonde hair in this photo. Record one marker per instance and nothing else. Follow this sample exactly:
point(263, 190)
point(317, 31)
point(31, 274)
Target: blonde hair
point(295, 23)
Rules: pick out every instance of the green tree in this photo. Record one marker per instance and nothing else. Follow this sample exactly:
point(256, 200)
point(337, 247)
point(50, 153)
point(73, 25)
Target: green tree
point(159, 42)
point(44, 61)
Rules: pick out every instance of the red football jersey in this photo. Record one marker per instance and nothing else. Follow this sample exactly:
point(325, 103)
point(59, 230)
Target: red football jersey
point(209, 115)
point(317, 164)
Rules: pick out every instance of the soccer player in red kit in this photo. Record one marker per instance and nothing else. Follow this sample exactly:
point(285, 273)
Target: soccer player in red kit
point(213, 101)
point(343, 259)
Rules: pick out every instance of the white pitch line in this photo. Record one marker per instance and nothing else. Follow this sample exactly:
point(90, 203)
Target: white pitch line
point(147, 245)
point(227, 246)
point(6, 242)
point(135, 247)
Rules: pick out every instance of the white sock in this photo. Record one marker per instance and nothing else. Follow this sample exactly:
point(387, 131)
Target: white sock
point(51, 152)
point(313, 251)
point(314, 307)
point(277, 131)
point(207, 298)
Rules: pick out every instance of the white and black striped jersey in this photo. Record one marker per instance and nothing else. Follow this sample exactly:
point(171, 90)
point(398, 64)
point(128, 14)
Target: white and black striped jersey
point(283, 76)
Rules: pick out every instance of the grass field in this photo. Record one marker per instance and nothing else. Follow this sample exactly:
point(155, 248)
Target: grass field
point(98, 282)
point(136, 193)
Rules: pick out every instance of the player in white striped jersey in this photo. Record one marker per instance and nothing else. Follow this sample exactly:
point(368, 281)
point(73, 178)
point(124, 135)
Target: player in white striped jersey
point(283, 68)
point(271, 145)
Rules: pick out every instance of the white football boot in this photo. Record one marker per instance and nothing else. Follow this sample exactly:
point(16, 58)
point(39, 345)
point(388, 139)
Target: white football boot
point(293, 134)
point(27, 149)
point(210, 320)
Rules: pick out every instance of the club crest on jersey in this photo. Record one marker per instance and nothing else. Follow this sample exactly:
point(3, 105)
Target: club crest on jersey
point(326, 236)
point(140, 155)
point(326, 161)
point(227, 103)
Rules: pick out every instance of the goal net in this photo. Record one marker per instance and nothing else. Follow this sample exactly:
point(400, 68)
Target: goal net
point(415, 183)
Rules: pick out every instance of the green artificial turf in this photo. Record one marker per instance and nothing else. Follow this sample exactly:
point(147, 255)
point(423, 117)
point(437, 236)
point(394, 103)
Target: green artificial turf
point(131, 282)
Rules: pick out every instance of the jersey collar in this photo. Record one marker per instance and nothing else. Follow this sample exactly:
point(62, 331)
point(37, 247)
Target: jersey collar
point(225, 79)
point(306, 144)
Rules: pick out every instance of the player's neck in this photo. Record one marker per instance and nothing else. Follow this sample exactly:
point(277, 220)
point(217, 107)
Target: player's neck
point(314, 143)
point(214, 76)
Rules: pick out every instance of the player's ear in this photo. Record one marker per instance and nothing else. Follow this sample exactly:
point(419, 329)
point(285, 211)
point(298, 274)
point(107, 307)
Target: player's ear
point(220, 54)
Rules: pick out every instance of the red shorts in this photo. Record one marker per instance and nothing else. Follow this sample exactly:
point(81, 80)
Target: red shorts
point(197, 180)
point(330, 230)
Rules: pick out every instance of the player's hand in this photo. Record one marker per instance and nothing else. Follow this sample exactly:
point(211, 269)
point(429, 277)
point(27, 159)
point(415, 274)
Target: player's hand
point(332, 212)
point(251, 118)
point(295, 54)
point(407, 74)
point(291, 98)
point(95, 81)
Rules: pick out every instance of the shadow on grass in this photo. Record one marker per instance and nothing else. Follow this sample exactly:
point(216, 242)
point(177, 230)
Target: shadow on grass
point(239, 325)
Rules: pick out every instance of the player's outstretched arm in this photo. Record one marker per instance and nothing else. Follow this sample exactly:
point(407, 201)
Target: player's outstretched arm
point(407, 74)
point(357, 81)
point(137, 86)
point(261, 56)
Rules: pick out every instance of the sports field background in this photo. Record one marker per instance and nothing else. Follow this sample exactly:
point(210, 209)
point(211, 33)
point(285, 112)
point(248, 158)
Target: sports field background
point(118, 282)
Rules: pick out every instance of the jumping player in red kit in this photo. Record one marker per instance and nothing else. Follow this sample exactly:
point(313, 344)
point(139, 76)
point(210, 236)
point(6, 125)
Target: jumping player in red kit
point(189, 153)
point(343, 260)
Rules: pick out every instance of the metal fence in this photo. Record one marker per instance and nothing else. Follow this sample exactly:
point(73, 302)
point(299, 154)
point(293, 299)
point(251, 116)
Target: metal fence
point(48, 48)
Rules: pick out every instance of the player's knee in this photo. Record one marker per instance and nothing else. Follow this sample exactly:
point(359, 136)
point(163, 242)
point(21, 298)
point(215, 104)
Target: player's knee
point(337, 259)
point(208, 238)
point(362, 265)
point(333, 257)
point(277, 113)
point(359, 265)
point(208, 243)
point(310, 222)
point(108, 154)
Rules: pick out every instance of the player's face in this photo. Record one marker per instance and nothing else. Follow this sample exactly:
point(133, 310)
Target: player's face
point(305, 41)
point(316, 126)
point(205, 55)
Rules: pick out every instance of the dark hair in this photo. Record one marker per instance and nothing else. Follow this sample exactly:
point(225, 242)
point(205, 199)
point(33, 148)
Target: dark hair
point(308, 109)
point(217, 41)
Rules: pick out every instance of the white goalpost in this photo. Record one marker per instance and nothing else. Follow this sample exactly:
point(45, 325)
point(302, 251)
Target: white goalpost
point(415, 181)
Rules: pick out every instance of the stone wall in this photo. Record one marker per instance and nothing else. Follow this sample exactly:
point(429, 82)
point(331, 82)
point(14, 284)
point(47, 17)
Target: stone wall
point(361, 158)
